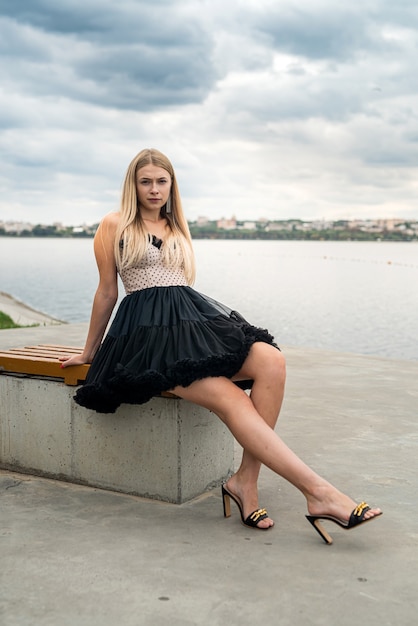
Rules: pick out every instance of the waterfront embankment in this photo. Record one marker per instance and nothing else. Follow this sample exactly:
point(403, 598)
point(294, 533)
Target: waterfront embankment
point(69, 551)
point(24, 315)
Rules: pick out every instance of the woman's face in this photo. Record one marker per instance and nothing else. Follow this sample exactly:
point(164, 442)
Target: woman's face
point(153, 186)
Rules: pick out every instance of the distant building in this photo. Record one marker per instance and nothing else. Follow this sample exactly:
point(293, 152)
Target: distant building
point(16, 227)
point(224, 224)
point(320, 225)
point(389, 224)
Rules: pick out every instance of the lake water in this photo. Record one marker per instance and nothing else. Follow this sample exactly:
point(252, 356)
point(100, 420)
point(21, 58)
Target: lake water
point(346, 296)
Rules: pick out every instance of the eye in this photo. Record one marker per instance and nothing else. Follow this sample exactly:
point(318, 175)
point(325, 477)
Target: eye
point(163, 181)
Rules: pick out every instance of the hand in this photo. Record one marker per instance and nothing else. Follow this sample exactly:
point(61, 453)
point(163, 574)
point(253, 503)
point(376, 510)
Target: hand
point(75, 359)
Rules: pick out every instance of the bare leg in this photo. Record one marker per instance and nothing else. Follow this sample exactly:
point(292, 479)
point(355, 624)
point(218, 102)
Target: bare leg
point(265, 365)
point(237, 411)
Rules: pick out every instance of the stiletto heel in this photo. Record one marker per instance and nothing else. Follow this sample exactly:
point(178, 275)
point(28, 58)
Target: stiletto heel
point(254, 517)
point(319, 528)
point(226, 502)
point(356, 518)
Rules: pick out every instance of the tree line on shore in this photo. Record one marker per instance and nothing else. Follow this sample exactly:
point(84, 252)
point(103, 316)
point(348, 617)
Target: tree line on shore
point(210, 230)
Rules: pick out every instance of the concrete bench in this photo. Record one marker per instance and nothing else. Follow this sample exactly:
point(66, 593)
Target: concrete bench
point(167, 449)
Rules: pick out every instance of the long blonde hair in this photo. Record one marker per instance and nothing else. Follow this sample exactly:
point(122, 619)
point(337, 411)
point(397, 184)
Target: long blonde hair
point(177, 249)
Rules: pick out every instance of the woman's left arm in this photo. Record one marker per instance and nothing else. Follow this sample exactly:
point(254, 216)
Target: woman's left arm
point(106, 294)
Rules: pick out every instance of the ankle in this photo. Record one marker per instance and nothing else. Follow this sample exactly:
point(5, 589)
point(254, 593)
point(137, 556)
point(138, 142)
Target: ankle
point(243, 480)
point(320, 491)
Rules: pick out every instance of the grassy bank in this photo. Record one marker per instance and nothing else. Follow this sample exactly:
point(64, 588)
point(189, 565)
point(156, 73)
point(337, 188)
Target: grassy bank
point(7, 322)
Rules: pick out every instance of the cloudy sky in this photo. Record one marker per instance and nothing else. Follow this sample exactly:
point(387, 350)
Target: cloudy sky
point(267, 108)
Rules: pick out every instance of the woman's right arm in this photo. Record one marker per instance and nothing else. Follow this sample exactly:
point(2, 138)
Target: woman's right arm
point(107, 291)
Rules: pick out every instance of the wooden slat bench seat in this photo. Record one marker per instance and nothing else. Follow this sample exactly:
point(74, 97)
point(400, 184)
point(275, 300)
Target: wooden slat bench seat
point(43, 360)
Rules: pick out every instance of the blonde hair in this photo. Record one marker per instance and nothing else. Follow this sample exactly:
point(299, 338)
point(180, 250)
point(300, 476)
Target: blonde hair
point(177, 249)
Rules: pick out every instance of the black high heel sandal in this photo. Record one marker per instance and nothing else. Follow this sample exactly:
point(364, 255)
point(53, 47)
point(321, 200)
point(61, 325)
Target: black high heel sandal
point(356, 518)
point(254, 517)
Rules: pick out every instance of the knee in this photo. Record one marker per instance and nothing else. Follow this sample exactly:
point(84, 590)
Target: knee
point(278, 365)
point(270, 362)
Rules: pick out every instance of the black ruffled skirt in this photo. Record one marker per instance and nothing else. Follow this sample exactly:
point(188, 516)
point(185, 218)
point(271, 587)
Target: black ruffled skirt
point(162, 337)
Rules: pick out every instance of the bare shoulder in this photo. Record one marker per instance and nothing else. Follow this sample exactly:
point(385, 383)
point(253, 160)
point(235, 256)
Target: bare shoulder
point(110, 221)
point(108, 225)
point(112, 218)
point(104, 240)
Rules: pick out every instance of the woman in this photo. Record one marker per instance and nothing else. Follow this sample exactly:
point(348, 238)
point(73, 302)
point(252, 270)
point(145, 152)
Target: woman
point(168, 337)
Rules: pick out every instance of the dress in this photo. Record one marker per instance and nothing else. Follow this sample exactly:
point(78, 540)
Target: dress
point(164, 334)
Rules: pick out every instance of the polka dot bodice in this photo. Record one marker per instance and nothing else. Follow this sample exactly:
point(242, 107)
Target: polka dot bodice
point(151, 272)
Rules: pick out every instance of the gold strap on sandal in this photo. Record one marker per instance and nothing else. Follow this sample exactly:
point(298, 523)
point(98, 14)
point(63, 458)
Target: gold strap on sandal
point(358, 511)
point(257, 515)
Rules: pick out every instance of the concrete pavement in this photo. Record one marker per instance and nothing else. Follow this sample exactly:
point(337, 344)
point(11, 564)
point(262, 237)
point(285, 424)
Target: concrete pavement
point(76, 556)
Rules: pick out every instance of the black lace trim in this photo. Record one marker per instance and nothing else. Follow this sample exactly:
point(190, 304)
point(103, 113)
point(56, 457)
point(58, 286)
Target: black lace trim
point(124, 387)
point(156, 242)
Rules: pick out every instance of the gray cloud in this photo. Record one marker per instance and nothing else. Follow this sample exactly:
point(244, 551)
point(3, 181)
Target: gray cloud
point(338, 35)
point(315, 104)
point(128, 55)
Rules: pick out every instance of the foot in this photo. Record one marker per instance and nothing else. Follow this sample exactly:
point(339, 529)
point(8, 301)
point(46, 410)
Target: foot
point(247, 496)
point(329, 501)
